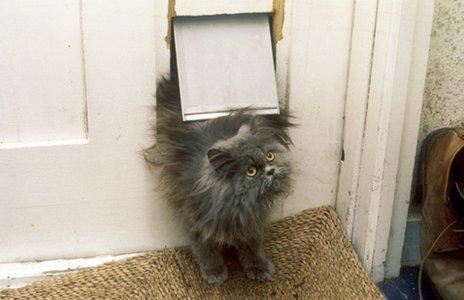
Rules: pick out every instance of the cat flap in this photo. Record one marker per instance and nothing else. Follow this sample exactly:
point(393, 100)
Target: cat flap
point(225, 63)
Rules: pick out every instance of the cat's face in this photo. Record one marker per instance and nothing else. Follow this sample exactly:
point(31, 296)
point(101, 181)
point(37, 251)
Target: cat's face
point(254, 163)
point(260, 169)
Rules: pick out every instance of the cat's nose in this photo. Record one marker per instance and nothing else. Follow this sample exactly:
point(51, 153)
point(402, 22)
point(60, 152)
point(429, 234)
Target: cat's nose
point(270, 172)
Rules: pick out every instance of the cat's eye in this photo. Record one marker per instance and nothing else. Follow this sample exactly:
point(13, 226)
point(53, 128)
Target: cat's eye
point(270, 156)
point(251, 172)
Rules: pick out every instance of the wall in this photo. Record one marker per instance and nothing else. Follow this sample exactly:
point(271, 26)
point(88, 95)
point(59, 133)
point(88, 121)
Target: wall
point(443, 104)
point(444, 89)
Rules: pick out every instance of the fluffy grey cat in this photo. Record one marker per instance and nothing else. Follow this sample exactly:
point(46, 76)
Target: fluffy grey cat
point(221, 176)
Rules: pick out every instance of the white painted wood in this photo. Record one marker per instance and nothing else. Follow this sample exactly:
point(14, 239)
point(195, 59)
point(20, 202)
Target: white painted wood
point(356, 103)
point(401, 73)
point(282, 59)
point(94, 199)
point(415, 94)
point(318, 66)
point(77, 199)
point(42, 95)
point(162, 50)
point(15, 145)
point(225, 63)
point(282, 67)
point(385, 133)
point(376, 131)
point(207, 7)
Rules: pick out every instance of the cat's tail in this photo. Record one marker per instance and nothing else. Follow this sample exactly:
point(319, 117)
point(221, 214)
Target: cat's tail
point(168, 116)
point(168, 109)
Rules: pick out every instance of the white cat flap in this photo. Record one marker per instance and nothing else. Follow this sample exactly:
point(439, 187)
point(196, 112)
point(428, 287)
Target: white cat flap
point(225, 63)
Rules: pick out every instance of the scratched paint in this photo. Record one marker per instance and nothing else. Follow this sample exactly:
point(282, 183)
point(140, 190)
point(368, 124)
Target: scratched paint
point(171, 13)
point(278, 19)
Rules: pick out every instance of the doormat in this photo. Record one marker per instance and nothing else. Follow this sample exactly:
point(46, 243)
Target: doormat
point(311, 252)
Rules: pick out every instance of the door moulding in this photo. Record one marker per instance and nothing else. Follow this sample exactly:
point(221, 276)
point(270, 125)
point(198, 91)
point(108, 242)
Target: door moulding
point(388, 61)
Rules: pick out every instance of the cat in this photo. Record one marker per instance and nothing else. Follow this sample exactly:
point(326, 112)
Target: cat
point(221, 176)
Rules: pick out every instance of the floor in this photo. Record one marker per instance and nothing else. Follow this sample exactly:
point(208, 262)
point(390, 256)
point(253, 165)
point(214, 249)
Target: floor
point(405, 286)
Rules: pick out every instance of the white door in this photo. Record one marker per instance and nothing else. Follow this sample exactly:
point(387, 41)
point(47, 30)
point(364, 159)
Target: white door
point(77, 86)
point(77, 80)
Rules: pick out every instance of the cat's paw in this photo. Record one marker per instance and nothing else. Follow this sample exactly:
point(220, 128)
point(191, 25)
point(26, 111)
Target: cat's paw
point(263, 272)
point(215, 276)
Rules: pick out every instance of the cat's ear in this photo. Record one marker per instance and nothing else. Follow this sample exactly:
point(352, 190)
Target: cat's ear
point(221, 160)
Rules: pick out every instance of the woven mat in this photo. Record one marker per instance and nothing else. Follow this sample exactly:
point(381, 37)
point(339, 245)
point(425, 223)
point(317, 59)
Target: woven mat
point(311, 252)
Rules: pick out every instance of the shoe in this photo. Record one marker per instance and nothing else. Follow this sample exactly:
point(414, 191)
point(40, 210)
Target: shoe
point(442, 234)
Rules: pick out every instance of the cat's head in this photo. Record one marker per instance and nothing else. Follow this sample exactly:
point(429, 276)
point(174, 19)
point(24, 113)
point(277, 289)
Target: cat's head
point(254, 161)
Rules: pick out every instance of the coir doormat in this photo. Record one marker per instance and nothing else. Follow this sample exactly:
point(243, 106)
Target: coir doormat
point(311, 252)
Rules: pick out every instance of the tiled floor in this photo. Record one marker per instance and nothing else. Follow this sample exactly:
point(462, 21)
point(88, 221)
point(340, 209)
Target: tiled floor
point(405, 286)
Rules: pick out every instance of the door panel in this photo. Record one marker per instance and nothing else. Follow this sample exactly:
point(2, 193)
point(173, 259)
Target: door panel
point(94, 198)
point(41, 72)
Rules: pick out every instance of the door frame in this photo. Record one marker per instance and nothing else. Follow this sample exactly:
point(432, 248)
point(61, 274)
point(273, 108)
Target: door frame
point(385, 86)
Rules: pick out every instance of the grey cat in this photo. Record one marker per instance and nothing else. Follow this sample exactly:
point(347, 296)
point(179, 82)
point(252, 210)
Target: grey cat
point(222, 176)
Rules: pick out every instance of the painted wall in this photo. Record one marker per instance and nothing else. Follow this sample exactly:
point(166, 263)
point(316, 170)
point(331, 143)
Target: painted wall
point(443, 102)
point(444, 88)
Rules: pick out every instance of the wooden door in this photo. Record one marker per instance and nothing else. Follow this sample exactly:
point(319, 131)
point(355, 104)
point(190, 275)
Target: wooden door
point(77, 80)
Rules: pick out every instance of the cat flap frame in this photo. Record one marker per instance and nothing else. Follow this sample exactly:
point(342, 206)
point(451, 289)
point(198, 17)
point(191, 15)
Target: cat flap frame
point(224, 63)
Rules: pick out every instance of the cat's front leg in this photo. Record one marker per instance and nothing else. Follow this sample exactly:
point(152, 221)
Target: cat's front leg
point(254, 261)
point(210, 262)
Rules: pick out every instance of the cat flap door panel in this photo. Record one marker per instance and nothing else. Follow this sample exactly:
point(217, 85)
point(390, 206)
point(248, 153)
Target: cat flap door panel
point(225, 63)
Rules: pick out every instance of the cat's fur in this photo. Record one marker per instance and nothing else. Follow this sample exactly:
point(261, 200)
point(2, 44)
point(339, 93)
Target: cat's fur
point(203, 178)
